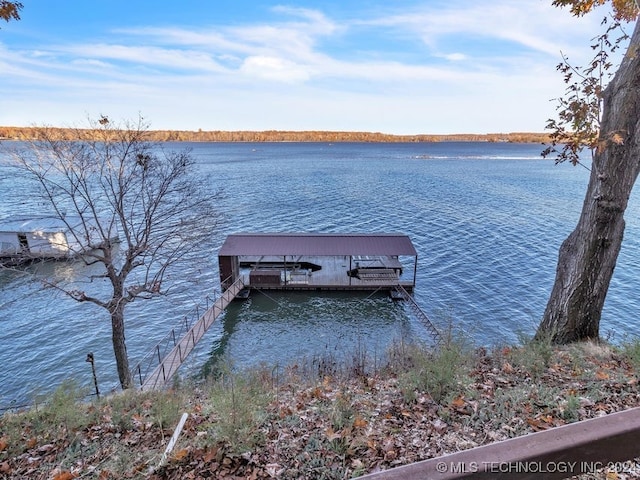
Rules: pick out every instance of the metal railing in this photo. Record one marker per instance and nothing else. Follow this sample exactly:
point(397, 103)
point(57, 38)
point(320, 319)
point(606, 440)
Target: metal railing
point(417, 311)
point(155, 357)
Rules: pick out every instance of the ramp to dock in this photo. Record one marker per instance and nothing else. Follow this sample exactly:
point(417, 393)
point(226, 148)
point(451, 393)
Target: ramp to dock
point(169, 365)
point(417, 311)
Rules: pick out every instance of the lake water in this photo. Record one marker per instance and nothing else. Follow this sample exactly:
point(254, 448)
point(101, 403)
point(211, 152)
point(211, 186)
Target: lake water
point(486, 219)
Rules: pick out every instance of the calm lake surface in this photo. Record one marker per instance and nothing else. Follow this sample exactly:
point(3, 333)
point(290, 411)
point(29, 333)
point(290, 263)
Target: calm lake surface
point(486, 219)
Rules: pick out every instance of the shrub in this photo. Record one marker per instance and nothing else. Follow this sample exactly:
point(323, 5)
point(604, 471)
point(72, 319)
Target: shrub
point(437, 372)
point(239, 401)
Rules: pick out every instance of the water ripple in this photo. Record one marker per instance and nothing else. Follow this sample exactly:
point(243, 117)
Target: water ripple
point(486, 219)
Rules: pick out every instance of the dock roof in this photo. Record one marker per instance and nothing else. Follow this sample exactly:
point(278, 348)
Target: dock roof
point(320, 244)
point(17, 224)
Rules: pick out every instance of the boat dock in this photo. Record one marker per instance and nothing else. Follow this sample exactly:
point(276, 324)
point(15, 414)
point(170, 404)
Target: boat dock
point(312, 262)
point(290, 261)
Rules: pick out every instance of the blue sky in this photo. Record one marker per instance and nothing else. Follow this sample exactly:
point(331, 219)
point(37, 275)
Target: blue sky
point(394, 66)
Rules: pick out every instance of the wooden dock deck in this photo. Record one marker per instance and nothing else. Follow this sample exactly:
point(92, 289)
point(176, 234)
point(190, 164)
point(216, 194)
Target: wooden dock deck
point(331, 275)
point(169, 365)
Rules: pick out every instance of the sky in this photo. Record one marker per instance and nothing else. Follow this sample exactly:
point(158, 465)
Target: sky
point(393, 66)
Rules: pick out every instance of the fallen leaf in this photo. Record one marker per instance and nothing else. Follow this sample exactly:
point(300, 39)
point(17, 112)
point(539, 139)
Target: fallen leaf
point(390, 455)
point(331, 435)
point(180, 454)
point(360, 422)
point(602, 375)
point(66, 475)
point(273, 470)
point(439, 426)
point(542, 423)
point(3, 444)
point(211, 455)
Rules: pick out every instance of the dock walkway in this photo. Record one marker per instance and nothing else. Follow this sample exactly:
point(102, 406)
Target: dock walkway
point(171, 362)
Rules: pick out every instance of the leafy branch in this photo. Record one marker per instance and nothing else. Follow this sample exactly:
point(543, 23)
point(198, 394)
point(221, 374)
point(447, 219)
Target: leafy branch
point(580, 109)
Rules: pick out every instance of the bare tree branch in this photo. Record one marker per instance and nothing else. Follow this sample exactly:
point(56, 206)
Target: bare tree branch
point(120, 185)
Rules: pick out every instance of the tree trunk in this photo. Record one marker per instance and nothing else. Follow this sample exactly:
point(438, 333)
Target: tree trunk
point(588, 256)
point(119, 346)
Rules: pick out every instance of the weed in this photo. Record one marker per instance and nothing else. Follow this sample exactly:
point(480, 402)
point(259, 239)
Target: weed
point(631, 351)
point(166, 408)
point(342, 413)
point(315, 463)
point(534, 354)
point(239, 402)
point(437, 372)
point(570, 410)
point(55, 416)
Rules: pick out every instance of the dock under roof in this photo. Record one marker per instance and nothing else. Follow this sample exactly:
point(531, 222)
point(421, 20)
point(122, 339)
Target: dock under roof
point(321, 261)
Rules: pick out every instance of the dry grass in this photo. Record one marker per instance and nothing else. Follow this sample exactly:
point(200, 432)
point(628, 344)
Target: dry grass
point(311, 421)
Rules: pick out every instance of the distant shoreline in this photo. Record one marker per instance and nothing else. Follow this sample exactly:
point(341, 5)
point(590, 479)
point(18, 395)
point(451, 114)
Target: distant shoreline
point(33, 133)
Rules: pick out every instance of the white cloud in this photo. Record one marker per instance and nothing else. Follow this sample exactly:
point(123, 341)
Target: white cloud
point(145, 55)
point(455, 57)
point(284, 74)
point(532, 24)
point(272, 68)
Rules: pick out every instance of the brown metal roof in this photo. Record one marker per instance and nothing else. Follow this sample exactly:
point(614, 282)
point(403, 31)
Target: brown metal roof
point(319, 244)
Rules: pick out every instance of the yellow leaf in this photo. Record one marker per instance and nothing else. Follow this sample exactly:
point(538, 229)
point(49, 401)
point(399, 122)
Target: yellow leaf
point(617, 139)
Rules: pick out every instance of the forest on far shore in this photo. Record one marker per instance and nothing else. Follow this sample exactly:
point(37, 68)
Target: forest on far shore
point(33, 133)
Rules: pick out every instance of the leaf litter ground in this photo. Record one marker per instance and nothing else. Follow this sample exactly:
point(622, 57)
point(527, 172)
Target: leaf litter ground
point(332, 423)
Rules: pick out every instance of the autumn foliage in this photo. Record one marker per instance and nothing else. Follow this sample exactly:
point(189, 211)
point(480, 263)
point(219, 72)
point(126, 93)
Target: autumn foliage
point(322, 419)
point(623, 9)
point(28, 133)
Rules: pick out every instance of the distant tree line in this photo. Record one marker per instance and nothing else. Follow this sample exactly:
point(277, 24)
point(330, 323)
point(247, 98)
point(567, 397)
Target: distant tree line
point(32, 133)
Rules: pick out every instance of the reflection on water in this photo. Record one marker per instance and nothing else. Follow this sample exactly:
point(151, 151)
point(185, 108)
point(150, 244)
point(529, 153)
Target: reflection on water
point(273, 327)
point(486, 219)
